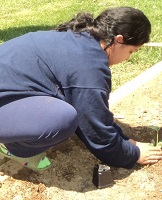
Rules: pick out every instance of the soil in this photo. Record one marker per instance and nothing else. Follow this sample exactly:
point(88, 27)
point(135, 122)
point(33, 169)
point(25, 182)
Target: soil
point(70, 177)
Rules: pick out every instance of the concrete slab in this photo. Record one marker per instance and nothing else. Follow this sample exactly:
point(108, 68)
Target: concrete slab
point(134, 84)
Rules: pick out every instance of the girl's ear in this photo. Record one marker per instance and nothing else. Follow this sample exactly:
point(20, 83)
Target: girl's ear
point(118, 39)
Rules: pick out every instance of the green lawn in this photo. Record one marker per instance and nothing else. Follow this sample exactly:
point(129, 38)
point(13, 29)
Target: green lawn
point(21, 16)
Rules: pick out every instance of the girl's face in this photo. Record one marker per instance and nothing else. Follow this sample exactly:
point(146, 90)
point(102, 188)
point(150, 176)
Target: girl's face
point(119, 52)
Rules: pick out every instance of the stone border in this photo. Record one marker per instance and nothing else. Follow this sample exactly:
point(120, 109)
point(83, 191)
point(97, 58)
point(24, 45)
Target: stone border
point(134, 84)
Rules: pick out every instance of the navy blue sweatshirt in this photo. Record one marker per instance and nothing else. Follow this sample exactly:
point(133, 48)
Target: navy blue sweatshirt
point(72, 67)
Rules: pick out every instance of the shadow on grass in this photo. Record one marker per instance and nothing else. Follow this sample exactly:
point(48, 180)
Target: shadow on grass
point(13, 32)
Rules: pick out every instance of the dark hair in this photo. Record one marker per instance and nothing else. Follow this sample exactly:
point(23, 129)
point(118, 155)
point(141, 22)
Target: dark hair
point(129, 22)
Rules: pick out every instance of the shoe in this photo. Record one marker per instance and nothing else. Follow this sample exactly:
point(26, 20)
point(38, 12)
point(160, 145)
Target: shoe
point(37, 163)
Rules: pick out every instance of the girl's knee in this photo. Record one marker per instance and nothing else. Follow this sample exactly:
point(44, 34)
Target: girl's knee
point(70, 119)
point(63, 119)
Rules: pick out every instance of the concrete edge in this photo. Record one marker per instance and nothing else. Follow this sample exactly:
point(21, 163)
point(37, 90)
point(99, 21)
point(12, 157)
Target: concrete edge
point(134, 84)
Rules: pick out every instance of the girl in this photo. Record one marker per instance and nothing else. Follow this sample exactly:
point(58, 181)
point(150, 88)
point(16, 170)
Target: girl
point(56, 83)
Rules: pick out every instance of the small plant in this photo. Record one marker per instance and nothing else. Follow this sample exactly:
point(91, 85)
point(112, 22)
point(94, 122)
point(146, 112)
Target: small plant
point(157, 143)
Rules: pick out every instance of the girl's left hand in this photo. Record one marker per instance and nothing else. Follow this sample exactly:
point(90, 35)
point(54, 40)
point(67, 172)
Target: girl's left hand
point(132, 142)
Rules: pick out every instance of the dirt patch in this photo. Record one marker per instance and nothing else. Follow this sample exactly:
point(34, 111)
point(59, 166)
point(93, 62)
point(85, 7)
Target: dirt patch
point(70, 177)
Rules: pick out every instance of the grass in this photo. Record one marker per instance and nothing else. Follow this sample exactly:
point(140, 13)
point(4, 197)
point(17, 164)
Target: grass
point(21, 16)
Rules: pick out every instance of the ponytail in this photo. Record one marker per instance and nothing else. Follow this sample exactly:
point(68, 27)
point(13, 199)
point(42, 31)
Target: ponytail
point(81, 22)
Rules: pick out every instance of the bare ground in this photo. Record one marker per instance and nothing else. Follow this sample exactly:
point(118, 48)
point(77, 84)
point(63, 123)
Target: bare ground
point(70, 177)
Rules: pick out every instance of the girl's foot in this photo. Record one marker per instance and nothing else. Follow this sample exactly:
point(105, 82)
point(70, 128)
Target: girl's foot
point(36, 163)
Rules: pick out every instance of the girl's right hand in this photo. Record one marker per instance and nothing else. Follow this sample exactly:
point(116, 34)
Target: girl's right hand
point(148, 154)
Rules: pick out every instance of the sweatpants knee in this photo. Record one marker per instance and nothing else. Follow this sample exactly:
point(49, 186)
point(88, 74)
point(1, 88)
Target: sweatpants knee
point(71, 120)
point(62, 122)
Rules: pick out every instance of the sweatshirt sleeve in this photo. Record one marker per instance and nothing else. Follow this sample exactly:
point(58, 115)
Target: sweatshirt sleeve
point(97, 129)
